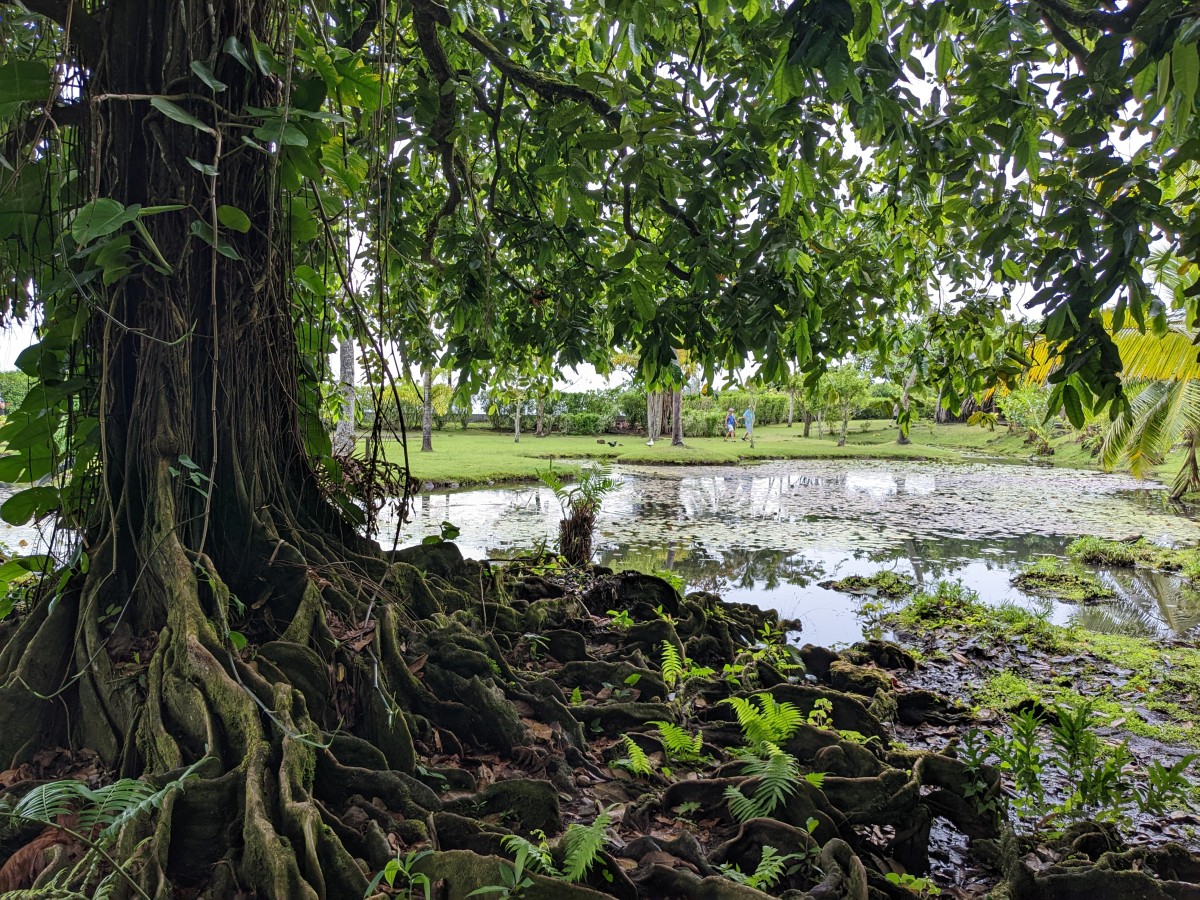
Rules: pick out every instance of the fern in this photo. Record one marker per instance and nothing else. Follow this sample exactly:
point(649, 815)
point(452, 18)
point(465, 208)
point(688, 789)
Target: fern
point(769, 722)
point(672, 665)
point(680, 744)
point(101, 814)
point(637, 762)
point(582, 844)
point(537, 856)
point(770, 869)
point(778, 776)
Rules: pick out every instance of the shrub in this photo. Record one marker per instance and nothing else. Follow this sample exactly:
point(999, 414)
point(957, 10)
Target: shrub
point(631, 401)
point(585, 423)
point(13, 388)
point(698, 423)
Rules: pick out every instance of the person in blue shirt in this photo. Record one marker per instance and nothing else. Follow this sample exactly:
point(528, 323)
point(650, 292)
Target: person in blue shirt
point(748, 421)
point(730, 425)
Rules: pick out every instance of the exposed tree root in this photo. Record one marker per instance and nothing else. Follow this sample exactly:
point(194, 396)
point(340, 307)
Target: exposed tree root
point(348, 733)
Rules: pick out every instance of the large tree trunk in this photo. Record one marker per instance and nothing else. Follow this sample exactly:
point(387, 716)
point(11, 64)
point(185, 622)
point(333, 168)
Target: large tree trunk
point(427, 409)
point(653, 408)
point(905, 403)
point(808, 420)
point(209, 518)
point(791, 408)
point(343, 437)
point(845, 424)
point(541, 411)
point(517, 423)
point(677, 417)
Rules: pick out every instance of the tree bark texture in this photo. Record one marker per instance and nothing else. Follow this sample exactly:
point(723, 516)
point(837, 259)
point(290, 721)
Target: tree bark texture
point(427, 409)
point(343, 438)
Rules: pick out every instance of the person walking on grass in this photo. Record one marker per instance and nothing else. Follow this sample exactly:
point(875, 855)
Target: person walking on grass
point(748, 422)
point(730, 426)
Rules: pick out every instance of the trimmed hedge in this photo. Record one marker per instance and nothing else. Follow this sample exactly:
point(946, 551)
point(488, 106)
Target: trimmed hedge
point(703, 423)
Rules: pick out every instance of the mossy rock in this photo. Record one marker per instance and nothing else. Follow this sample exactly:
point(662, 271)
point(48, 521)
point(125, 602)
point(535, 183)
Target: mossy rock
point(443, 559)
point(566, 646)
point(591, 675)
point(613, 719)
point(523, 804)
point(864, 680)
point(818, 660)
point(642, 595)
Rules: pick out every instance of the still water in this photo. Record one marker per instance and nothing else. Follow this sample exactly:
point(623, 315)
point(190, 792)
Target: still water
point(770, 533)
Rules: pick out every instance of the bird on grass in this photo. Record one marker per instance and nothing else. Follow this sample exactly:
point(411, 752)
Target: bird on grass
point(613, 443)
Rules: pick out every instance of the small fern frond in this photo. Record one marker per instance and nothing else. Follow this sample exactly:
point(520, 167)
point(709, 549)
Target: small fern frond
point(637, 762)
point(783, 719)
point(672, 665)
point(770, 868)
point(679, 742)
point(118, 805)
point(46, 802)
point(778, 776)
point(582, 845)
point(767, 723)
point(537, 856)
point(742, 807)
point(816, 779)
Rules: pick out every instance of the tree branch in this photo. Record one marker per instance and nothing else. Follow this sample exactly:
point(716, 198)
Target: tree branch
point(1121, 22)
point(443, 125)
point(552, 89)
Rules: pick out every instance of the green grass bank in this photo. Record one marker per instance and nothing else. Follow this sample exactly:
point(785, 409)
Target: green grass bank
point(476, 456)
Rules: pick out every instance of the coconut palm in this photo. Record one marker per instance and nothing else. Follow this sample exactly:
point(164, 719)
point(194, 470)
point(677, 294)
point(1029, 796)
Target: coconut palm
point(1165, 412)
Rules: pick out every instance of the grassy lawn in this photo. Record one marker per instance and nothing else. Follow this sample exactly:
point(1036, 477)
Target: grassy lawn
point(478, 456)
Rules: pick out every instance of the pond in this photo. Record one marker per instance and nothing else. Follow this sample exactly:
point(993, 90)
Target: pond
point(771, 533)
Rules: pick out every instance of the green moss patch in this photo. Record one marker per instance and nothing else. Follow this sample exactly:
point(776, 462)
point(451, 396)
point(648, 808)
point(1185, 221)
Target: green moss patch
point(1142, 686)
point(881, 584)
point(1051, 577)
point(1139, 553)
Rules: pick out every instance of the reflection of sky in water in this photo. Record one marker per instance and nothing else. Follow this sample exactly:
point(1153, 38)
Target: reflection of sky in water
point(767, 534)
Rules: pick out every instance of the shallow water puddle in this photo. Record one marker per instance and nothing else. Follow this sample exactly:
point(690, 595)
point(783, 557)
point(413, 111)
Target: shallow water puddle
point(769, 533)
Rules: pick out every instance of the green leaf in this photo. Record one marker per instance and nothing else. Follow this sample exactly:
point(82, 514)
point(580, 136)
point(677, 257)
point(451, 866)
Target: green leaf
point(561, 207)
point(622, 257)
point(238, 640)
point(237, 50)
point(179, 114)
point(233, 218)
point(24, 80)
point(1070, 399)
point(277, 131)
point(1185, 72)
point(204, 231)
point(101, 217)
point(31, 503)
point(203, 168)
point(204, 73)
point(944, 58)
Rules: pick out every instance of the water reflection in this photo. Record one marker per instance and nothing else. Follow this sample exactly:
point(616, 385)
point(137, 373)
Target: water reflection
point(769, 534)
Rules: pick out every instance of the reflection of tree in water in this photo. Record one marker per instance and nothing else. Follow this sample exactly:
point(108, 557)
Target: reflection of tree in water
point(933, 560)
point(733, 568)
point(1148, 604)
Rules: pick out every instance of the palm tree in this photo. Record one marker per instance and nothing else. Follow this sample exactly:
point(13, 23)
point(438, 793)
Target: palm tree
point(1162, 365)
point(1167, 409)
